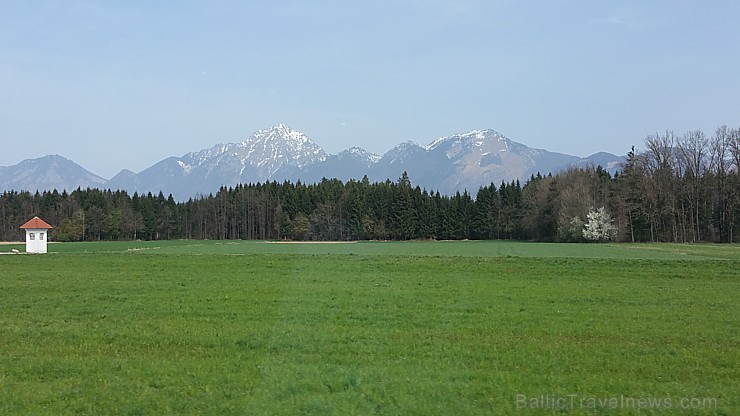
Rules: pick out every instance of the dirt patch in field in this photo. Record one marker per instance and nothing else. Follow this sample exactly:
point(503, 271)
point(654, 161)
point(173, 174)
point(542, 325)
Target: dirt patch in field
point(312, 242)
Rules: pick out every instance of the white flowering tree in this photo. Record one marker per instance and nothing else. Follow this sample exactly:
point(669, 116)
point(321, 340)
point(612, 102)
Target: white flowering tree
point(599, 226)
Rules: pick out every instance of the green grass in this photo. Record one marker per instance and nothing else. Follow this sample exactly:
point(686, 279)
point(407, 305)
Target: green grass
point(192, 327)
point(412, 248)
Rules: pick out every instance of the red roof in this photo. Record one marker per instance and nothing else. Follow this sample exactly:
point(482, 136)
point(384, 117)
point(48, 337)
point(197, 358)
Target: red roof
point(36, 223)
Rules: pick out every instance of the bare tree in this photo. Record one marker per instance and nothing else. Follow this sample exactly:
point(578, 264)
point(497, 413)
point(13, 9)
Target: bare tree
point(720, 175)
point(575, 197)
point(659, 162)
point(692, 156)
point(734, 145)
point(733, 182)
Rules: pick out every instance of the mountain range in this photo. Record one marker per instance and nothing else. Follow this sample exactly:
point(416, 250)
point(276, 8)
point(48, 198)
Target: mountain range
point(449, 164)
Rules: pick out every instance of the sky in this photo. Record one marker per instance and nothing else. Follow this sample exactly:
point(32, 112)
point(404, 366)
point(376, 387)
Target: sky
point(125, 84)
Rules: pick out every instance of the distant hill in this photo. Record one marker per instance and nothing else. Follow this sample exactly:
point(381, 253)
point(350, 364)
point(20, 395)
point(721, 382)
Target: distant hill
point(46, 173)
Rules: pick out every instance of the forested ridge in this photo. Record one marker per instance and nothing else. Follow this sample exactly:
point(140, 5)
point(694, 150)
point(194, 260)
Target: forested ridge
point(680, 189)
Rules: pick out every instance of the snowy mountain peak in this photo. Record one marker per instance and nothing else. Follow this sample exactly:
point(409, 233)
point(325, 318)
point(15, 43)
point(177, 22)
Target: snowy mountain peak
point(281, 133)
point(406, 147)
point(403, 152)
point(361, 153)
point(475, 137)
point(285, 144)
point(256, 158)
point(408, 144)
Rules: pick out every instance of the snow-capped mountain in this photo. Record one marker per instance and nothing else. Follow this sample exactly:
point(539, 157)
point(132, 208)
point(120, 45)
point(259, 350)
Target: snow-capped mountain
point(258, 158)
point(490, 156)
point(403, 153)
point(448, 164)
point(264, 153)
point(358, 153)
point(454, 163)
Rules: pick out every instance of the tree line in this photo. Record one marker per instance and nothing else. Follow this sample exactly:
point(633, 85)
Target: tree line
point(680, 189)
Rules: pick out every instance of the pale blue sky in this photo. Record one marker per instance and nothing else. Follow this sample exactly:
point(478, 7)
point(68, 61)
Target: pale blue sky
point(124, 84)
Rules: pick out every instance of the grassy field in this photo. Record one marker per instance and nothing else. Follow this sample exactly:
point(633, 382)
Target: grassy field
point(209, 327)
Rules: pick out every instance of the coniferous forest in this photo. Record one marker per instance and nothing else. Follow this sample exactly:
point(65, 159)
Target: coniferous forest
point(680, 189)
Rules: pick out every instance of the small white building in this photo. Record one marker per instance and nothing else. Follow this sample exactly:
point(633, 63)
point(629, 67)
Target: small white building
point(37, 234)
